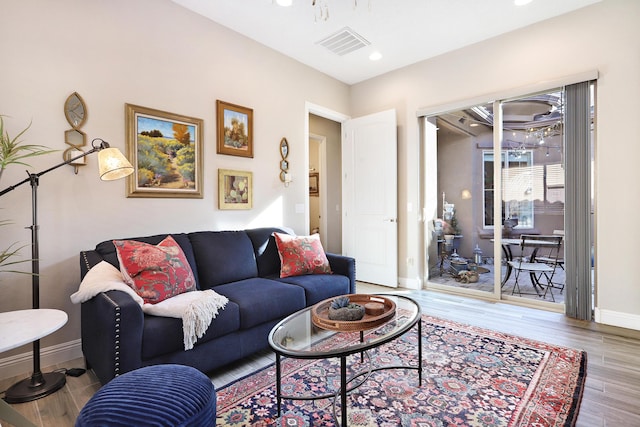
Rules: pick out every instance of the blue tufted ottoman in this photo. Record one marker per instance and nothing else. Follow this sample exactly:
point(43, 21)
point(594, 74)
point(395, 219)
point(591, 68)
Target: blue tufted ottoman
point(159, 395)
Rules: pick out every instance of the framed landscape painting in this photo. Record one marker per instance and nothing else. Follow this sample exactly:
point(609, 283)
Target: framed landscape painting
point(235, 189)
point(235, 129)
point(166, 152)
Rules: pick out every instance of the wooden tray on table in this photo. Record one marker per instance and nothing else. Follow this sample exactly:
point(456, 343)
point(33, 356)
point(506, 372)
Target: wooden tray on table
point(320, 313)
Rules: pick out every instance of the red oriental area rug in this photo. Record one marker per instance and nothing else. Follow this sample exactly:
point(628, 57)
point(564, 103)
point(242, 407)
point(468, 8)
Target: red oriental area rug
point(471, 377)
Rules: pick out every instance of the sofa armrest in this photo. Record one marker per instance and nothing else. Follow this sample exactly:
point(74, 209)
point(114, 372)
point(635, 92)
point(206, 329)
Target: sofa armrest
point(88, 260)
point(111, 325)
point(345, 266)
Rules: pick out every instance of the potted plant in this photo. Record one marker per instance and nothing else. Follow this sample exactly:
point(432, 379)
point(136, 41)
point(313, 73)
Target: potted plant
point(13, 151)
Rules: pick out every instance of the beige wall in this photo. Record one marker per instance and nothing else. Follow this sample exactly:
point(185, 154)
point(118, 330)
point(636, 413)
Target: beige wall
point(603, 37)
point(158, 55)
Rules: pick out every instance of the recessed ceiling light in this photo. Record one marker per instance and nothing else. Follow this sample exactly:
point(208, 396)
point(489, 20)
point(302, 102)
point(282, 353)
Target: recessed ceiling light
point(521, 2)
point(285, 3)
point(375, 56)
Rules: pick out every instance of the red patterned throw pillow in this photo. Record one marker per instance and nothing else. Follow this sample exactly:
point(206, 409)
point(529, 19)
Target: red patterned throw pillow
point(155, 272)
point(301, 255)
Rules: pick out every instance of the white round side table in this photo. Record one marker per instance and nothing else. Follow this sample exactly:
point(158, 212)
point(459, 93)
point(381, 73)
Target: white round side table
point(22, 327)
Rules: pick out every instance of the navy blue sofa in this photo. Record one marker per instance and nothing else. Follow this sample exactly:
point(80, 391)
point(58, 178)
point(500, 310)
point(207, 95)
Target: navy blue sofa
point(244, 266)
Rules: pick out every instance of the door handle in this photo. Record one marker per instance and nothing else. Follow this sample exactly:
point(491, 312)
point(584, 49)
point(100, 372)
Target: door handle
point(389, 220)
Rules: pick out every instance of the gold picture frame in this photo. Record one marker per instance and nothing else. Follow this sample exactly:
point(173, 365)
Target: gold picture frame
point(235, 189)
point(314, 184)
point(235, 129)
point(166, 152)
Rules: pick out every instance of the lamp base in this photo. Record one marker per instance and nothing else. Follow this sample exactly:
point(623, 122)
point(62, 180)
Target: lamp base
point(36, 387)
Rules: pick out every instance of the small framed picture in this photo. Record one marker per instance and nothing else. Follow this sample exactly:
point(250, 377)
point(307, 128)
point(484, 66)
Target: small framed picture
point(235, 189)
point(235, 129)
point(166, 152)
point(314, 189)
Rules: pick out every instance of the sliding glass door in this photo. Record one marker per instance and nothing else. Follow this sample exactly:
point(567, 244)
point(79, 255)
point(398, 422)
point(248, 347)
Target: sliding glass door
point(533, 196)
point(460, 251)
point(499, 175)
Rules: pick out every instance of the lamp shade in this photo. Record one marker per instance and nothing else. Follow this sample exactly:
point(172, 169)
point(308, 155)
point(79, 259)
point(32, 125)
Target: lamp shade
point(113, 164)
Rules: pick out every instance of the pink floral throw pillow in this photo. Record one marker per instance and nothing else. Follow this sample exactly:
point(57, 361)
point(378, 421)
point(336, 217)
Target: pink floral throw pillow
point(155, 272)
point(301, 255)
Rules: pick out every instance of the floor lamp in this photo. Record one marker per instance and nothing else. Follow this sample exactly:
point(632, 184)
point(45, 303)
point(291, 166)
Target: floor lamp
point(112, 165)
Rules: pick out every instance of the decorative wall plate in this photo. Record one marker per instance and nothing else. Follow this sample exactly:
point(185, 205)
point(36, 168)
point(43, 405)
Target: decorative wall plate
point(284, 148)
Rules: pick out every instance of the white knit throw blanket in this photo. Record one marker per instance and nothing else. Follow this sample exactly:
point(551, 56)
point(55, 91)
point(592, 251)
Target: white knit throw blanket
point(196, 308)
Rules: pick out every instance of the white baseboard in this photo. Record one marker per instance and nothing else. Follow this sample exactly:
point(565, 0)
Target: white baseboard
point(22, 364)
point(616, 318)
point(408, 283)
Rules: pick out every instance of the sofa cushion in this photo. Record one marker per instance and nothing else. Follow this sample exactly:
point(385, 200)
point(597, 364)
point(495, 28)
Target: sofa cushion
point(163, 335)
point(318, 287)
point(265, 249)
point(262, 300)
point(223, 257)
point(108, 251)
point(155, 272)
point(301, 255)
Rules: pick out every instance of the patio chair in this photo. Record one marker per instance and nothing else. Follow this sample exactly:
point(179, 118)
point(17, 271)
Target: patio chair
point(540, 273)
point(548, 256)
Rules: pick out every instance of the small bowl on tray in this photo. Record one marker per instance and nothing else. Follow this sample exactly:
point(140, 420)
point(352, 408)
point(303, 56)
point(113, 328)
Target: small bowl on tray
point(378, 310)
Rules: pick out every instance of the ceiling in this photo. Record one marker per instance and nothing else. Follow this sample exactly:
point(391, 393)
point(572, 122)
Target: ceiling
point(403, 31)
point(528, 122)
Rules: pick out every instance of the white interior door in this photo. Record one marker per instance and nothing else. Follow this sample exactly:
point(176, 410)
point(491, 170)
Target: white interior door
point(370, 197)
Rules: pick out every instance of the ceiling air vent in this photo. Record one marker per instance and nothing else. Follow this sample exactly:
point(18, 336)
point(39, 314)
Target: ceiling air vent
point(344, 41)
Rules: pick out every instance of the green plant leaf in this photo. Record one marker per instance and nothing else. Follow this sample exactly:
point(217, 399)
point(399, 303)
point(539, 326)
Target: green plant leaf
point(8, 253)
point(12, 151)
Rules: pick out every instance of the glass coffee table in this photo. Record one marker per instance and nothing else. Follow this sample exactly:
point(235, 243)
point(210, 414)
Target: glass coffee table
point(298, 337)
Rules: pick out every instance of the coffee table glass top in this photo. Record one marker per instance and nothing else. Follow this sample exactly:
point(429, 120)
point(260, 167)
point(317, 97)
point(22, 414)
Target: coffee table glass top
point(299, 337)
